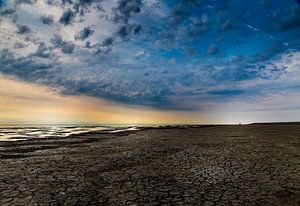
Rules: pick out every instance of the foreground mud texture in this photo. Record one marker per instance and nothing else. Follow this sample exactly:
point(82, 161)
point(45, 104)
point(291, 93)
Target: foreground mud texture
point(204, 165)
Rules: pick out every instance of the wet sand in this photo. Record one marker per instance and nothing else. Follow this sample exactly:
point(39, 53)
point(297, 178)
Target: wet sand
point(205, 165)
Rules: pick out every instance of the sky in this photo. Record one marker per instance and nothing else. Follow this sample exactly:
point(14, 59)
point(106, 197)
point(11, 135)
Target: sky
point(149, 61)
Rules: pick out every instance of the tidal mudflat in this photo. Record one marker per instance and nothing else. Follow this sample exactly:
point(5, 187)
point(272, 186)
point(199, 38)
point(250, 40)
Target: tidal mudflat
point(187, 165)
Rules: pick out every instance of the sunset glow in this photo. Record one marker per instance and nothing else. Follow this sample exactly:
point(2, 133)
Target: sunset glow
point(21, 102)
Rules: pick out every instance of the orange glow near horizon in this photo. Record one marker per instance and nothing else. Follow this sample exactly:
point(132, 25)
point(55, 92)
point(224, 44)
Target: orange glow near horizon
point(21, 102)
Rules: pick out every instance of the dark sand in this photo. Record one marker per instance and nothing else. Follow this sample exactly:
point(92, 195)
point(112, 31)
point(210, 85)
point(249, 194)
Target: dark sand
point(216, 165)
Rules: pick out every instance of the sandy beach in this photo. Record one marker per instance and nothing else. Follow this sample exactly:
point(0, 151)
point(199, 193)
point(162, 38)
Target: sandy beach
point(192, 165)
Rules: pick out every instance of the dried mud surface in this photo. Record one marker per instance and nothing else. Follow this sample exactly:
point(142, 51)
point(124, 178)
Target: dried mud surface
point(205, 165)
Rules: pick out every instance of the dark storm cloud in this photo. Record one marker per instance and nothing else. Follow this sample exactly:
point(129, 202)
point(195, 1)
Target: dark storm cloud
point(137, 29)
point(76, 4)
point(53, 2)
point(67, 17)
point(127, 30)
point(43, 51)
point(47, 19)
point(86, 2)
point(85, 33)
point(140, 52)
point(122, 14)
point(7, 12)
point(23, 29)
point(125, 9)
point(24, 68)
point(108, 41)
point(65, 46)
point(226, 92)
point(26, 1)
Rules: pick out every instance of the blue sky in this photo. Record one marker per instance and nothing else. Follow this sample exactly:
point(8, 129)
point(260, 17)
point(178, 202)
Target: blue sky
point(192, 55)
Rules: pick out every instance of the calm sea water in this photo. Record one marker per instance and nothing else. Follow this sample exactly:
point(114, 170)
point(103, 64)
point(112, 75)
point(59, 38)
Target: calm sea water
point(15, 133)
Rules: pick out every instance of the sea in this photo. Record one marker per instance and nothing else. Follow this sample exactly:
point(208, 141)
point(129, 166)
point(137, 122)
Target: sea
point(26, 132)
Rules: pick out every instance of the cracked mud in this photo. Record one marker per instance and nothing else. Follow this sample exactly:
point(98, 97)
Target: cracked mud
point(213, 165)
